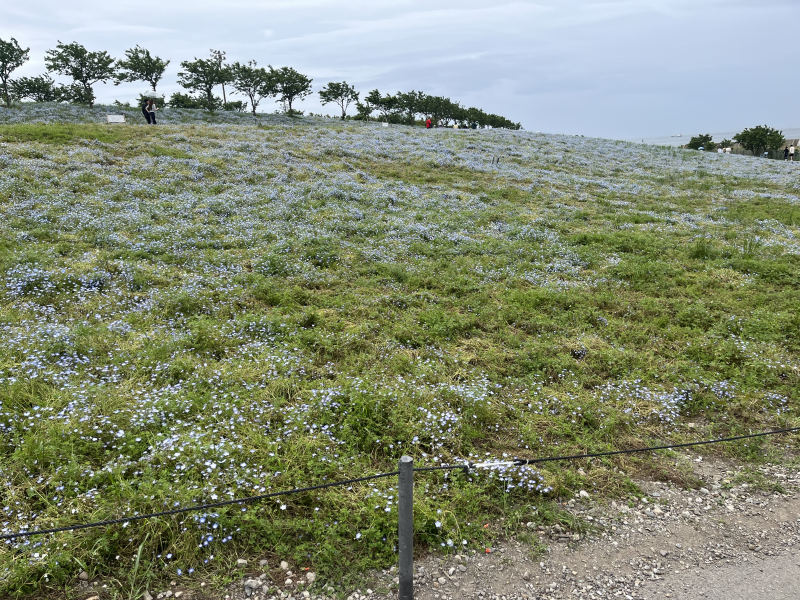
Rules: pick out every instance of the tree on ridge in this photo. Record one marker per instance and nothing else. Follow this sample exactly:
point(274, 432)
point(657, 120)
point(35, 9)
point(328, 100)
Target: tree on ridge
point(86, 68)
point(339, 93)
point(760, 138)
point(12, 56)
point(254, 82)
point(202, 75)
point(290, 86)
point(140, 65)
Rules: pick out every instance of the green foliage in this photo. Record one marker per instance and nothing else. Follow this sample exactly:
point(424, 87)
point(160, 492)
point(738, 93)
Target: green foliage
point(290, 86)
point(140, 65)
point(201, 76)
point(760, 139)
point(12, 56)
point(253, 81)
point(40, 88)
point(179, 100)
point(701, 249)
point(404, 107)
point(702, 141)
point(235, 105)
point(364, 111)
point(84, 67)
point(386, 105)
point(339, 93)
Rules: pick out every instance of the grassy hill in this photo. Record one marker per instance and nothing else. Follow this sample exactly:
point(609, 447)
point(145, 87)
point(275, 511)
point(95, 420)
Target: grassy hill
point(222, 306)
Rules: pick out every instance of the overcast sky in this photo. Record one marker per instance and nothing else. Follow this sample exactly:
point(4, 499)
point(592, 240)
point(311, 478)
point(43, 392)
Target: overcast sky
point(622, 69)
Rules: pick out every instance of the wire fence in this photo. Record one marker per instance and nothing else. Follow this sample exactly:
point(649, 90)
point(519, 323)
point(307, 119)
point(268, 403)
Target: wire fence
point(466, 467)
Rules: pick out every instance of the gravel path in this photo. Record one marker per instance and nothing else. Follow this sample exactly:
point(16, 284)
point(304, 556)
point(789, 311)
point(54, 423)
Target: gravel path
point(729, 544)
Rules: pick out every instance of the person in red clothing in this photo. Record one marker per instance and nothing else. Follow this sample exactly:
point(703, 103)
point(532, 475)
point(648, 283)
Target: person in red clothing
point(428, 123)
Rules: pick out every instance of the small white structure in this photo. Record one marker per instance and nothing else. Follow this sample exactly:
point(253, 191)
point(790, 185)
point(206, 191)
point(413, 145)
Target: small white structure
point(115, 118)
point(385, 124)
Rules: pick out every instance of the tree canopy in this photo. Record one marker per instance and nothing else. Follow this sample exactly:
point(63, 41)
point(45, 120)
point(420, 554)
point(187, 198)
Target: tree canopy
point(404, 107)
point(201, 76)
point(254, 82)
point(759, 139)
point(290, 86)
point(40, 88)
point(339, 93)
point(12, 56)
point(701, 141)
point(84, 67)
point(140, 65)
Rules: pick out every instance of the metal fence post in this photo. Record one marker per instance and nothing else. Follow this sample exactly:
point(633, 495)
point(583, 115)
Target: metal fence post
point(405, 527)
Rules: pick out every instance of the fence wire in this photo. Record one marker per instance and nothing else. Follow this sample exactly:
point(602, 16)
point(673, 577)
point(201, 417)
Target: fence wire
point(466, 467)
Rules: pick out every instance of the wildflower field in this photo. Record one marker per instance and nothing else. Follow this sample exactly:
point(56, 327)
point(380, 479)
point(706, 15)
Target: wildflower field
point(222, 306)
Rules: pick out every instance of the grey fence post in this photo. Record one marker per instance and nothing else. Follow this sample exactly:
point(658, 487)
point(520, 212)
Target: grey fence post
point(405, 527)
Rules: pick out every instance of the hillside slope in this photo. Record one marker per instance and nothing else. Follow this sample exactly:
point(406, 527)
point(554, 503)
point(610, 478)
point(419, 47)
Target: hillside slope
point(201, 311)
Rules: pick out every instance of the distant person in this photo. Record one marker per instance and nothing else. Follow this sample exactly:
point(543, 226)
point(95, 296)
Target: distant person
point(146, 112)
point(474, 125)
point(428, 123)
point(786, 153)
point(791, 152)
point(152, 108)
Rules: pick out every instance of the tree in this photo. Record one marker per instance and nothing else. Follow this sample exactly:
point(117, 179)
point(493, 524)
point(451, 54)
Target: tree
point(235, 106)
point(476, 115)
point(202, 75)
point(760, 138)
point(226, 74)
point(726, 143)
point(386, 105)
point(441, 110)
point(339, 93)
point(290, 86)
point(254, 82)
point(178, 100)
point(364, 110)
point(86, 68)
point(12, 56)
point(411, 103)
point(41, 88)
point(140, 65)
point(700, 141)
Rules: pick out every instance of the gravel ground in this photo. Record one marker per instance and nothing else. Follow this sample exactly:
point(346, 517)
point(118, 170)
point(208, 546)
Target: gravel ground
point(727, 540)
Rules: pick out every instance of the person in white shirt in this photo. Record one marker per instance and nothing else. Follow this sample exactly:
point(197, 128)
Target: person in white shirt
point(151, 109)
point(791, 153)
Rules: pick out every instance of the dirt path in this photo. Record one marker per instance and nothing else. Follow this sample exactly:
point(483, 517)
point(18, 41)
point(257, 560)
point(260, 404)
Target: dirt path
point(727, 544)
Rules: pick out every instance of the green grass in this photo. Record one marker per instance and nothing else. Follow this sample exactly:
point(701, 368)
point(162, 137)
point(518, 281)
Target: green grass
point(66, 133)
